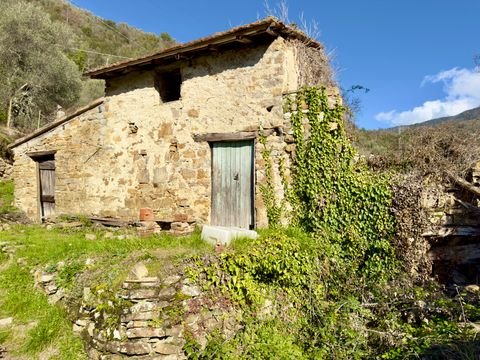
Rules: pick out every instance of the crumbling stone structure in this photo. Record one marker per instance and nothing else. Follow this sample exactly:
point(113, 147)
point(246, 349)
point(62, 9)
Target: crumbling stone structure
point(438, 226)
point(176, 132)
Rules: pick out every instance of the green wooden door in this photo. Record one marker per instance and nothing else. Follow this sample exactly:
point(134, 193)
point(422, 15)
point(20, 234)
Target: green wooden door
point(232, 184)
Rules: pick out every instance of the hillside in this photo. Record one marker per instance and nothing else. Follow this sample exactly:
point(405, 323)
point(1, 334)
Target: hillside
point(472, 114)
point(100, 41)
point(443, 144)
point(46, 45)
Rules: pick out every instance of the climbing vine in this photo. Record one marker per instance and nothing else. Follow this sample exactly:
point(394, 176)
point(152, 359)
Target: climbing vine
point(274, 209)
point(333, 272)
point(332, 193)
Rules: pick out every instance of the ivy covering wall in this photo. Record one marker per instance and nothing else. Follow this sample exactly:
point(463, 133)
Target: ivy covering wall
point(328, 285)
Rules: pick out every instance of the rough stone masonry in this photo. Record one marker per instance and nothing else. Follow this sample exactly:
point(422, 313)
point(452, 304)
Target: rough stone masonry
point(133, 150)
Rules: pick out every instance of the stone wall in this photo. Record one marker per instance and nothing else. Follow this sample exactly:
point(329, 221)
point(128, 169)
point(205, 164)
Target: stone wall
point(76, 144)
point(6, 170)
point(453, 233)
point(148, 318)
point(313, 66)
point(135, 151)
point(438, 228)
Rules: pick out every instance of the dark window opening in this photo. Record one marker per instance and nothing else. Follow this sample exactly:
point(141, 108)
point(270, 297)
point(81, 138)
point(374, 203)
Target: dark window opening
point(168, 85)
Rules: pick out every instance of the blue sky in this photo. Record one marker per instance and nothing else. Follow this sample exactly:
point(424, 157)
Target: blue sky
point(415, 56)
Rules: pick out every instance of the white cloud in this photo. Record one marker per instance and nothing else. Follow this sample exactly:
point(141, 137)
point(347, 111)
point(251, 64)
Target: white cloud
point(462, 92)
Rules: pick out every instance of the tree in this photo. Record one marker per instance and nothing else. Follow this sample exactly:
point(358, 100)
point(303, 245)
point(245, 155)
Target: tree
point(35, 75)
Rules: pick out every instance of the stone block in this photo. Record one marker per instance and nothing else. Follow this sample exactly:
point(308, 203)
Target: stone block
point(142, 294)
point(180, 218)
point(148, 315)
point(166, 294)
point(224, 235)
point(6, 322)
point(137, 324)
point(193, 113)
point(188, 174)
point(167, 349)
point(145, 332)
point(143, 306)
point(46, 278)
point(191, 290)
point(51, 289)
point(180, 227)
point(135, 348)
point(174, 331)
point(56, 297)
point(139, 271)
point(77, 329)
point(170, 280)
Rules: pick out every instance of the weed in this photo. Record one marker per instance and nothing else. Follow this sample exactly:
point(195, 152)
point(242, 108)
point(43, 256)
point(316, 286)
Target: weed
point(66, 276)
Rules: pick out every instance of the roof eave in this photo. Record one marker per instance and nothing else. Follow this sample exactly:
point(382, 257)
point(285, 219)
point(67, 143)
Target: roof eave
point(53, 125)
point(269, 26)
point(172, 52)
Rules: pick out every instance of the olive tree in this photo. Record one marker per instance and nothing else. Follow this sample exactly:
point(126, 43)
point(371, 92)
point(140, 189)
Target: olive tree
point(35, 74)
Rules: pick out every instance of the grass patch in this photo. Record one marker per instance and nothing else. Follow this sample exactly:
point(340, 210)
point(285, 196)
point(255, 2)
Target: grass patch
point(43, 247)
point(6, 197)
point(22, 301)
point(4, 335)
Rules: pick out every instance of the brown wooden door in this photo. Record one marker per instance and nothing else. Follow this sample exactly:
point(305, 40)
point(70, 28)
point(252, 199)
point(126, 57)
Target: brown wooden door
point(46, 168)
point(232, 184)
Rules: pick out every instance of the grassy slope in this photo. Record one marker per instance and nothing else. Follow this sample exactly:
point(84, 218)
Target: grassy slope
point(41, 327)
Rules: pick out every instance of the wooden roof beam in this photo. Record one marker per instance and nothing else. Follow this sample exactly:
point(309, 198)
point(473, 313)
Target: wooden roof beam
point(244, 40)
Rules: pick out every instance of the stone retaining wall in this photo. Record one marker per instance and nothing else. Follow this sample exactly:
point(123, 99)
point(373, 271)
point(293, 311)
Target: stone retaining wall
point(453, 231)
point(149, 318)
point(6, 170)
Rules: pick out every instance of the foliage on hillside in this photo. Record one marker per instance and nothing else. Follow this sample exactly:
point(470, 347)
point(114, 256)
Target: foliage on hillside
point(45, 46)
point(36, 75)
point(449, 146)
point(92, 33)
point(6, 137)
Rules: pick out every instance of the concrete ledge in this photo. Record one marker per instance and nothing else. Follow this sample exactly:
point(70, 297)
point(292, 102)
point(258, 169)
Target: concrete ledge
point(224, 235)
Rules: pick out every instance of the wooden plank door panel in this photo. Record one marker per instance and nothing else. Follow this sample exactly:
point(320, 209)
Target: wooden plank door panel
point(232, 184)
point(47, 187)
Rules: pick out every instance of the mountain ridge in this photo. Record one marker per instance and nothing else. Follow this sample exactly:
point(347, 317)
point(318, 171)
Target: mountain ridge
point(467, 115)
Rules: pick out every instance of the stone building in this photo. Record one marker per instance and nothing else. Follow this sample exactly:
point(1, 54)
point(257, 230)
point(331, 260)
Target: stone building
point(177, 132)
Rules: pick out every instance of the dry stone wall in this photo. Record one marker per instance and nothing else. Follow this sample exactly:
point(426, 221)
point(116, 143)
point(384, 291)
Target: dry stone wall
point(6, 170)
point(149, 318)
point(453, 233)
point(438, 231)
